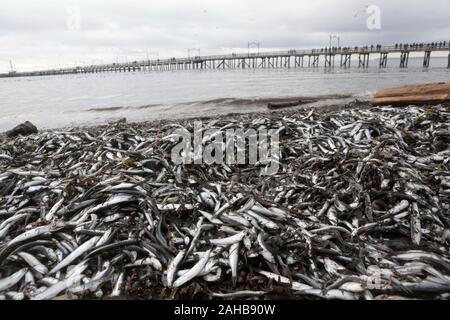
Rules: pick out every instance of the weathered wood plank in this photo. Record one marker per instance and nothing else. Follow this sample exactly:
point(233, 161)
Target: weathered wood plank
point(431, 93)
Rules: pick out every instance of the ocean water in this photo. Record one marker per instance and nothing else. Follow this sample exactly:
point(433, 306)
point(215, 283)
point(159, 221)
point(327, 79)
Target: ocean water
point(62, 101)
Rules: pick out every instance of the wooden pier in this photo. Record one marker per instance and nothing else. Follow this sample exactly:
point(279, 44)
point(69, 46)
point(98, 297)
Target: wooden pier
point(264, 60)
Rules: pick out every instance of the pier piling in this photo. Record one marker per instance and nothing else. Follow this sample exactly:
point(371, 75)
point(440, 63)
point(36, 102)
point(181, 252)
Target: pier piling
point(383, 59)
point(346, 60)
point(329, 60)
point(404, 59)
point(364, 60)
point(426, 59)
point(299, 61)
point(315, 61)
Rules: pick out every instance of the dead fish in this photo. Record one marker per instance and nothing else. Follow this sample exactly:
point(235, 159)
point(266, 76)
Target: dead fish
point(12, 280)
point(85, 247)
point(194, 271)
point(228, 241)
point(173, 267)
point(234, 259)
point(57, 288)
point(34, 263)
point(97, 202)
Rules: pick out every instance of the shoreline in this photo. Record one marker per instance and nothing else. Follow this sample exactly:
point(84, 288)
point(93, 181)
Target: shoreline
point(322, 104)
point(219, 107)
point(352, 179)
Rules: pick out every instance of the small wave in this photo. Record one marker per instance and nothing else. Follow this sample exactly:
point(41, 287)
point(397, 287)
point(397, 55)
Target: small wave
point(265, 100)
point(109, 96)
point(148, 106)
point(77, 98)
point(232, 102)
point(366, 95)
point(105, 109)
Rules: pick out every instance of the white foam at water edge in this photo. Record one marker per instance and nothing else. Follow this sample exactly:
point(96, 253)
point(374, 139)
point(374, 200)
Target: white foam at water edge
point(77, 98)
point(365, 95)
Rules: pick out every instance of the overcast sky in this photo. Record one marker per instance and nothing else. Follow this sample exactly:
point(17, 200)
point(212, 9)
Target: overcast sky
point(50, 33)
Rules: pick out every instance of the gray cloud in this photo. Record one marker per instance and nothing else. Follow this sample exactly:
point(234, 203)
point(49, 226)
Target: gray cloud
point(34, 34)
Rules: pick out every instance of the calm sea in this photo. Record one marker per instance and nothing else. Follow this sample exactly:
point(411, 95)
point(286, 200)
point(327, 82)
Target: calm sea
point(61, 101)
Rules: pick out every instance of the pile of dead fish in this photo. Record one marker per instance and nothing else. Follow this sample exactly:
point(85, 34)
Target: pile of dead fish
point(358, 210)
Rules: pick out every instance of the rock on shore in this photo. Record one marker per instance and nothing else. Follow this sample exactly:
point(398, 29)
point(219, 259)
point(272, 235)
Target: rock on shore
point(23, 129)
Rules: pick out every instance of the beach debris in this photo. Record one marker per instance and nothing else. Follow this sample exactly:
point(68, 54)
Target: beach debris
point(421, 94)
point(359, 209)
point(287, 104)
point(282, 103)
point(23, 129)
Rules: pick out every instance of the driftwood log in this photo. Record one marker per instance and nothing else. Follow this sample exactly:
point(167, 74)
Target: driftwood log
point(287, 104)
point(431, 93)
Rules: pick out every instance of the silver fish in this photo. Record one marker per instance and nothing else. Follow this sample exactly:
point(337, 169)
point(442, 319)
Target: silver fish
point(194, 271)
